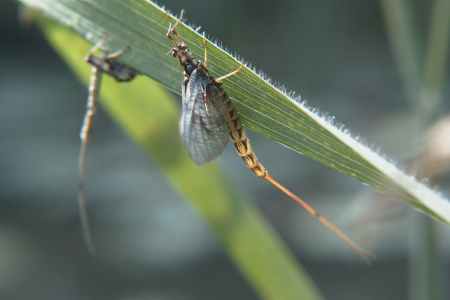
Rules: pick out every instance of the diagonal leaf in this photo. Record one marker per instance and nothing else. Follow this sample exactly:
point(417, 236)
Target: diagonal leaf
point(248, 239)
point(266, 109)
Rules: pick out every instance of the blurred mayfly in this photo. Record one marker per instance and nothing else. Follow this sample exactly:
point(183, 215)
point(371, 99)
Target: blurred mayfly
point(209, 119)
point(104, 63)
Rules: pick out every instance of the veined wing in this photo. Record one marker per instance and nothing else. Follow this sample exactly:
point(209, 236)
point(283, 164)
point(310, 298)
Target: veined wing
point(203, 127)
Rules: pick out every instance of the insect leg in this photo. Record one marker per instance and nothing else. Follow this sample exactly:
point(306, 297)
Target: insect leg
point(171, 32)
point(222, 78)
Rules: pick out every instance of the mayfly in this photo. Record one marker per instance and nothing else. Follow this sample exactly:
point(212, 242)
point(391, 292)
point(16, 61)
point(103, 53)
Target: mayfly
point(103, 63)
point(209, 120)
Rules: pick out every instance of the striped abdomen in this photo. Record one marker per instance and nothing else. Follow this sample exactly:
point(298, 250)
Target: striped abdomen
point(241, 142)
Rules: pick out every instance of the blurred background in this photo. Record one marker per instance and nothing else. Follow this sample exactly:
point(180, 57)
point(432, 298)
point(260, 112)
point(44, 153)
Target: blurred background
point(337, 55)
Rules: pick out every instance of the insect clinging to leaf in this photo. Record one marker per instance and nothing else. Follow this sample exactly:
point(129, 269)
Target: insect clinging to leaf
point(209, 121)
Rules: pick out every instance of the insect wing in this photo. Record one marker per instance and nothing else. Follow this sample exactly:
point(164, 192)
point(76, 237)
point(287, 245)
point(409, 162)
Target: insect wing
point(203, 126)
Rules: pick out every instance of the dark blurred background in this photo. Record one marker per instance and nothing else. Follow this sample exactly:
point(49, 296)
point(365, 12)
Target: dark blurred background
point(336, 54)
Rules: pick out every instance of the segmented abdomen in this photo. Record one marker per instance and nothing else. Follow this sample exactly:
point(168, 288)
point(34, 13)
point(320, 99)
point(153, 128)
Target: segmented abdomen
point(240, 141)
